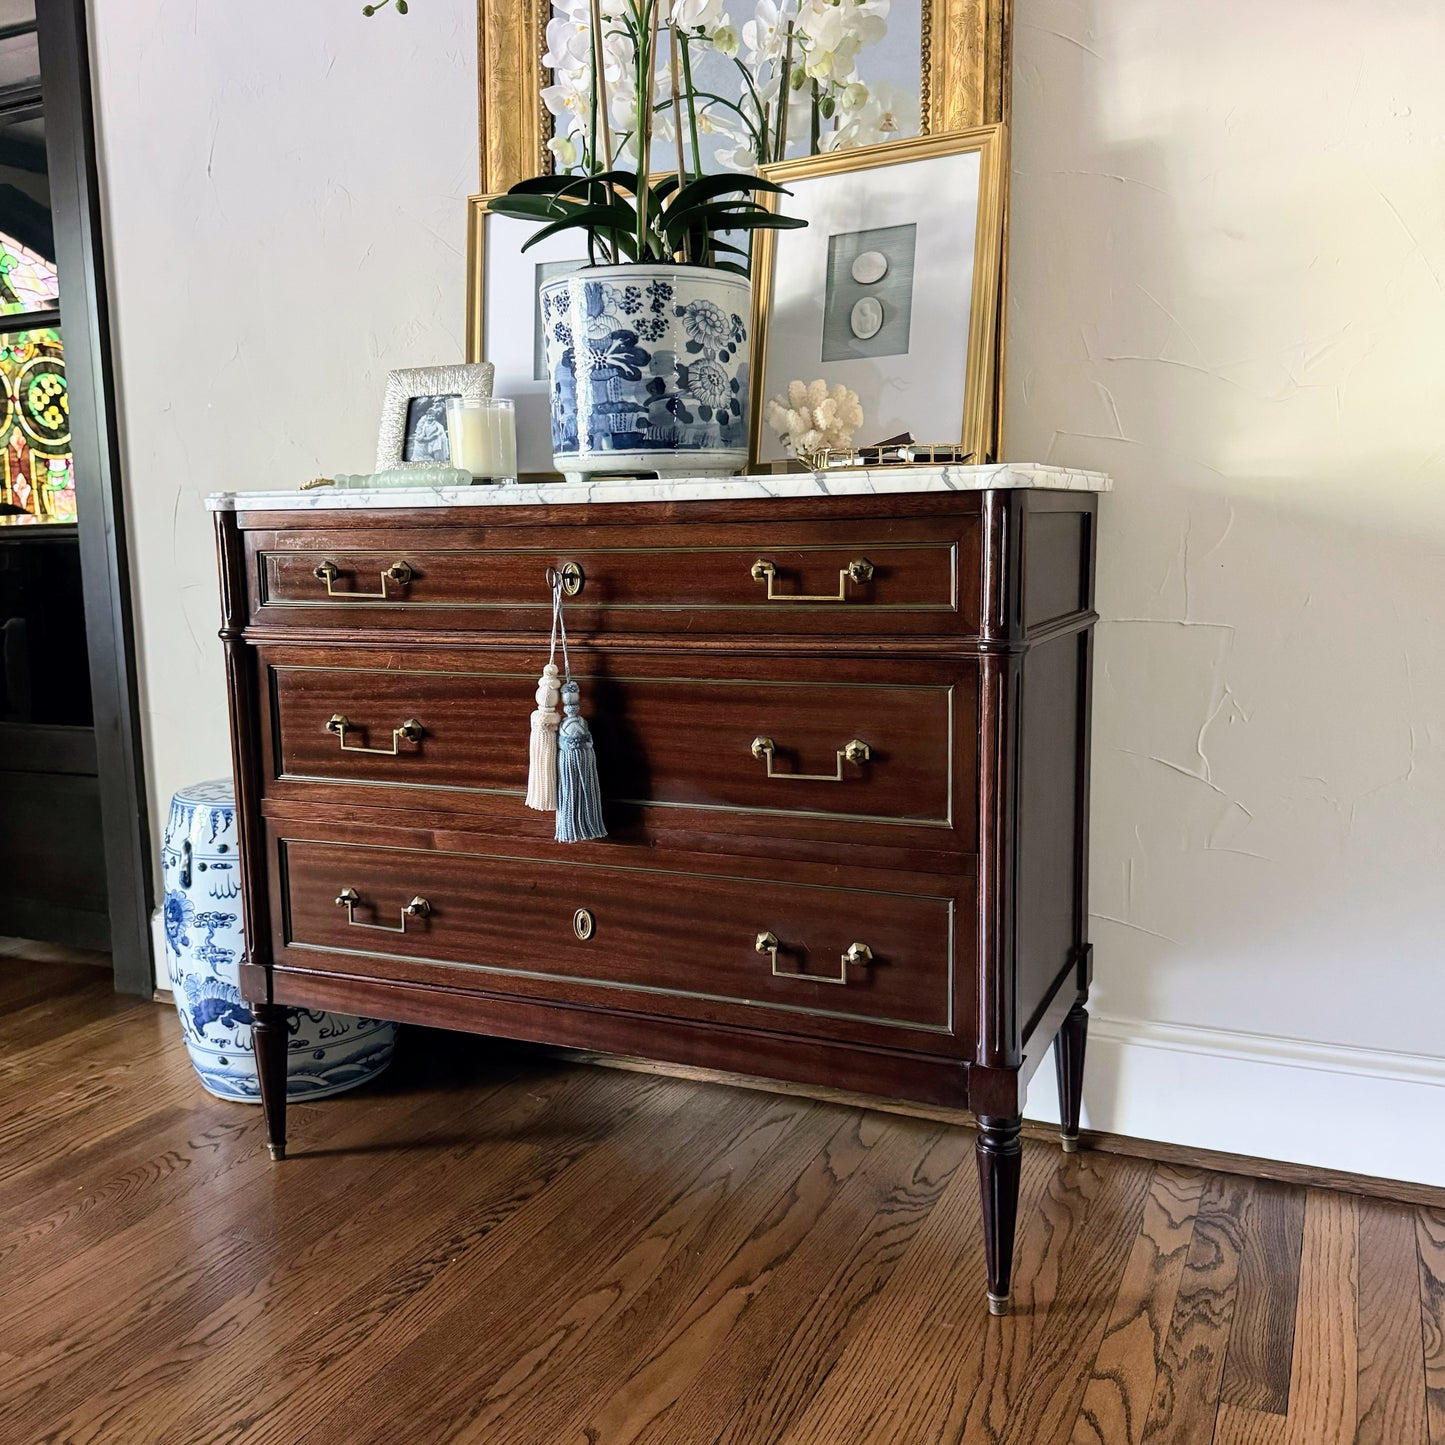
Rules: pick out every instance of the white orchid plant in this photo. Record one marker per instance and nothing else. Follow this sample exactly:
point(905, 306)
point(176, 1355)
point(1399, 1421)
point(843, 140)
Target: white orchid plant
point(796, 72)
point(623, 76)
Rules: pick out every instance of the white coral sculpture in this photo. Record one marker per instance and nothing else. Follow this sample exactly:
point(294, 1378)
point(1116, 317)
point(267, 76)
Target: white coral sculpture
point(812, 421)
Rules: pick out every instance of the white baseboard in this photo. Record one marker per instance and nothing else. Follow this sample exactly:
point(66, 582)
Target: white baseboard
point(1363, 1111)
point(159, 953)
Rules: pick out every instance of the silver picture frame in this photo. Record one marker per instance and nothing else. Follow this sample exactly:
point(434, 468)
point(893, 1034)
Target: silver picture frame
point(415, 405)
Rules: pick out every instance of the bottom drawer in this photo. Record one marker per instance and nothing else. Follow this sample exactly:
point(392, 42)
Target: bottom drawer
point(845, 962)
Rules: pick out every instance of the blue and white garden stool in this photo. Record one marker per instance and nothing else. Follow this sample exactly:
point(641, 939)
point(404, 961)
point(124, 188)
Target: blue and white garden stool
point(326, 1053)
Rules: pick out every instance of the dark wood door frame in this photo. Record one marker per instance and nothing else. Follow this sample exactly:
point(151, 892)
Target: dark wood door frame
point(110, 633)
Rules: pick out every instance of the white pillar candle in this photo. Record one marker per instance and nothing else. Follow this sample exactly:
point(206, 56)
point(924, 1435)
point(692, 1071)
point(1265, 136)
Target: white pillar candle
point(483, 438)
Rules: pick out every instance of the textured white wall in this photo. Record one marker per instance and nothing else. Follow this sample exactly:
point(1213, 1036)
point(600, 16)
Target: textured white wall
point(285, 190)
point(1228, 290)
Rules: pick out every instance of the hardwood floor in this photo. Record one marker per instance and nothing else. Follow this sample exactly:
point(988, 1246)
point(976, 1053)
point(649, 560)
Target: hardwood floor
point(494, 1246)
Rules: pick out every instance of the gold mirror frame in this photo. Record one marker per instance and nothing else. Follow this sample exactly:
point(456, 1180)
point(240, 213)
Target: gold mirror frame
point(965, 83)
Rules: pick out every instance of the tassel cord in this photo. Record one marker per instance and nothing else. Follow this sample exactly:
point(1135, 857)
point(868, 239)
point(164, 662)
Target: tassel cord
point(542, 762)
point(579, 790)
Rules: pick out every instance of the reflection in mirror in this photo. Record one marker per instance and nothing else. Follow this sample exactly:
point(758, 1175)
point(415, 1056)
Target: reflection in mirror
point(774, 79)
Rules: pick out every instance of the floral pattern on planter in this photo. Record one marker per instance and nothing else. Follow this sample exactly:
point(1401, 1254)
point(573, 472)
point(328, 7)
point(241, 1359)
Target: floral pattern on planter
point(649, 368)
point(327, 1053)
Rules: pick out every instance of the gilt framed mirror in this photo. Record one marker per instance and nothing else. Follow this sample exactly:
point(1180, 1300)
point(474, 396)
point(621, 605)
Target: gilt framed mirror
point(932, 67)
point(945, 63)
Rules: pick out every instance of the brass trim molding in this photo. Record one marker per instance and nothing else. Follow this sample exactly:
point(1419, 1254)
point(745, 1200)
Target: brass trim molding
point(946, 1029)
point(354, 600)
point(947, 689)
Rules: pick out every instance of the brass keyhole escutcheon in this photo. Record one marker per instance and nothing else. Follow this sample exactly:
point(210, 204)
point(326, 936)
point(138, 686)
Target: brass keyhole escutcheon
point(583, 924)
point(572, 579)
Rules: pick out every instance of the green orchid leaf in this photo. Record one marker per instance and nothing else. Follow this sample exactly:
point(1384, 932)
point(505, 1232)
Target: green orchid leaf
point(539, 185)
point(602, 219)
point(713, 217)
point(533, 208)
point(706, 188)
point(764, 221)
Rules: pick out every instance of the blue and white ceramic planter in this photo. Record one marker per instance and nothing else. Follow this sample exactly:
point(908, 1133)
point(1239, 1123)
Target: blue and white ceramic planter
point(649, 368)
point(327, 1053)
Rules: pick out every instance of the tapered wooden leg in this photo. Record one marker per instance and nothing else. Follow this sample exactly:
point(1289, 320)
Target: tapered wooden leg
point(268, 1037)
point(1069, 1061)
point(999, 1151)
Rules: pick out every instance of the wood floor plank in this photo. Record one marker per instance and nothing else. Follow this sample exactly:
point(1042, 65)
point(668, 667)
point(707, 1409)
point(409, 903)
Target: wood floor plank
point(694, 1379)
point(69, 1084)
point(174, 1392)
point(1238, 1426)
point(1191, 1364)
point(52, 1018)
point(1261, 1333)
point(24, 982)
point(634, 1210)
point(924, 1364)
point(488, 1246)
point(784, 1202)
point(112, 1033)
point(925, 1322)
point(1391, 1393)
point(772, 1397)
point(1324, 1373)
point(176, 1137)
point(171, 1268)
point(1430, 1242)
point(1036, 1369)
point(416, 1307)
point(1121, 1386)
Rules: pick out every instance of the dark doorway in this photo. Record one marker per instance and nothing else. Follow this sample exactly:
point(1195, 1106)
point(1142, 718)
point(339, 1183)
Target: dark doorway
point(74, 838)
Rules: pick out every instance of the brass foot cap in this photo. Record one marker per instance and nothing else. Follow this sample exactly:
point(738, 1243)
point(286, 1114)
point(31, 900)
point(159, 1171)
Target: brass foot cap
point(1070, 1143)
point(277, 1151)
point(998, 1304)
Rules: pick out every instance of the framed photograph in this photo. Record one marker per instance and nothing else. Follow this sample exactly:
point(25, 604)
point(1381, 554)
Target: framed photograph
point(892, 289)
point(414, 412)
point(504, 319)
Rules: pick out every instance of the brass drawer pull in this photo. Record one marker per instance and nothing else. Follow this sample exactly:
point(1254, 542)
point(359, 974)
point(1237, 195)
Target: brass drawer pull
point(857, 955)
point(860, 570)
point(340, 724)
point(348, 898)
point(855, 751)
point(398, 572)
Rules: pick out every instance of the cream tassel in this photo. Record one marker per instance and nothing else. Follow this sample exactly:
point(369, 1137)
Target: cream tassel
point(542, 752)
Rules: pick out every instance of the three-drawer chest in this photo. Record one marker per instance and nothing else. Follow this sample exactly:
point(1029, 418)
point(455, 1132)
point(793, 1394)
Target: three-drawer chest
point(842, 731)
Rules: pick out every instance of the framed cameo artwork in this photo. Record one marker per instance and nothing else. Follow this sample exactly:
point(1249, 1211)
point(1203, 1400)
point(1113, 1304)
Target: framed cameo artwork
point(892, 289)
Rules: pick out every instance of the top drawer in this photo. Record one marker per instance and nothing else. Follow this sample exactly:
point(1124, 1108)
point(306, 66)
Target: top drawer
point(917, 576)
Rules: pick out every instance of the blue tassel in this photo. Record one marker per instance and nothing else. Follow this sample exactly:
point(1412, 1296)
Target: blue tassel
point(579, 793)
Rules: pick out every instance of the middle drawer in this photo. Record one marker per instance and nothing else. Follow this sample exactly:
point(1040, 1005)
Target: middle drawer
point(805, 746)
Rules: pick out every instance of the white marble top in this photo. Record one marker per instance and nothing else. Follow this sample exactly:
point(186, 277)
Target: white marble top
point(675, 489)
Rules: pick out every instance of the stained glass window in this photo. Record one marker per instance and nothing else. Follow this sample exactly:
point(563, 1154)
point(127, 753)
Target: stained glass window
point(35, 425)
point(27, 280)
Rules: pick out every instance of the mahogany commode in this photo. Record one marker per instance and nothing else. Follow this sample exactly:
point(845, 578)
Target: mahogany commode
point(842, 730)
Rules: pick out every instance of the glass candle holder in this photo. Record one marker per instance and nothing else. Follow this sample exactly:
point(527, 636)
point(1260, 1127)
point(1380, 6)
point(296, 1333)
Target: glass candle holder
point(483, 437)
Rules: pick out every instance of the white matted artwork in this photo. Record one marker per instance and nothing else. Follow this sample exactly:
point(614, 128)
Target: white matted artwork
point(891, 290)
point(504, 319)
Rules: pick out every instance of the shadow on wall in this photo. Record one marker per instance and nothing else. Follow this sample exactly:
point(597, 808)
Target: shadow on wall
point(1189, 312)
